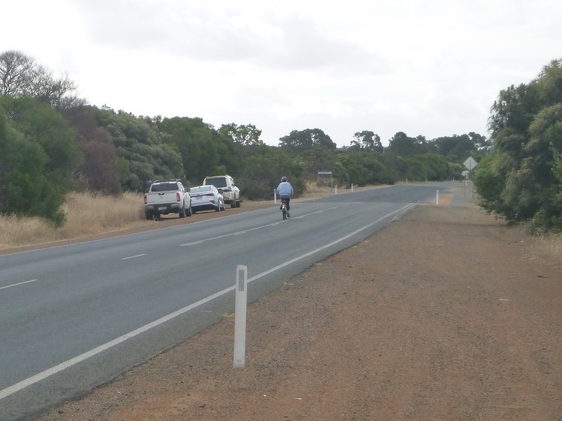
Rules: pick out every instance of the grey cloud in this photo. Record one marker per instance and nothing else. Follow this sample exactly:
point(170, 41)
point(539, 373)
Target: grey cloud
point(291, 43)
point(303, 47)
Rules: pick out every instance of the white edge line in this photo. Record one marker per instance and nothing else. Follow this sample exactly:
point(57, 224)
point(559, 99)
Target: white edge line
point(93, 352)
point(19, 283)
point(345, 237)
point(89, 354)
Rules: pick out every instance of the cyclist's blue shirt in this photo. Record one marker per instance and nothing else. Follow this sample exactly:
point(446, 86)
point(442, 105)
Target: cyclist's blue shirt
point(285, 189)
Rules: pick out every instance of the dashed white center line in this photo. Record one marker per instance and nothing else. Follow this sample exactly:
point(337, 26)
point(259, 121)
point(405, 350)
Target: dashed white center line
point(133, 257)
point(193, 243)
point(19, 283)
point(233, 234)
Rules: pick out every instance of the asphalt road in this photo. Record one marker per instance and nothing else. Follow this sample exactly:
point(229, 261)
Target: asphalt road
point(76, 316)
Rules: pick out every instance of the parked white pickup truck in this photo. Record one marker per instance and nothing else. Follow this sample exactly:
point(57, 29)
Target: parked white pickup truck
point(166, 196)
point(227, 187)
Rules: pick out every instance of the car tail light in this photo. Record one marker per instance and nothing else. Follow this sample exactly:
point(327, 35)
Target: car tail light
point(178, 198)
point(203, 195)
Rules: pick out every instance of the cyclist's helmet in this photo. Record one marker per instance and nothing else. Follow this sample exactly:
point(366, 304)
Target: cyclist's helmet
point(283, 179)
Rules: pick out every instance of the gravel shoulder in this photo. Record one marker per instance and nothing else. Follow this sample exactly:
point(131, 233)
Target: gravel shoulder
point(441, 316)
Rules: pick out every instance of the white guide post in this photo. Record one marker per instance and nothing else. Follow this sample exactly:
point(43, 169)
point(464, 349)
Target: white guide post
point(240, 316)
point(274, 196)
point(437, 197)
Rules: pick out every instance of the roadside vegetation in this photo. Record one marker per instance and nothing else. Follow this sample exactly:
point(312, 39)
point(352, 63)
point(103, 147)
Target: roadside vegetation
point(86, 215)
point(521, 179)
point(53, 143)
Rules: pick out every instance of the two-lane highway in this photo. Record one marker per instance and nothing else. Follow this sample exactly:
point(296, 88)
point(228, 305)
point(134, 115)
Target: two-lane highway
point(73, 317)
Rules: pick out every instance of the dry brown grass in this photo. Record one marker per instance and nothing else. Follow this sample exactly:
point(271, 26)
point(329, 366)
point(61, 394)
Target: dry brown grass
point(315, 191)
point(89, 215)
point(86, 214)
point(547, 247)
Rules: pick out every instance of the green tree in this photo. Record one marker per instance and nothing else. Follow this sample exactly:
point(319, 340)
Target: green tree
point(428, 167)
point(458, 148)
point(99, 170)
point(520, 179)
point(263, 171)
point(246, 135)
point(317, 159)
point(362, 168)
point(26, 188)
point(40, 123)
point(403, 145)
point(204, 150)
point(20, 75)
point(367, 140)
point(301, 140)
point(143, 153)
point(543, 165)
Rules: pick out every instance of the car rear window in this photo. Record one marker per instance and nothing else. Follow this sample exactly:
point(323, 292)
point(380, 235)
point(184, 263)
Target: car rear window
point(164, 187)
point(217, 182)
point(201, 189)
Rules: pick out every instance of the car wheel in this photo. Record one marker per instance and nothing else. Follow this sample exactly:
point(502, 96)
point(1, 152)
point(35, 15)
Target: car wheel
point(182, 213)
point(189, 211)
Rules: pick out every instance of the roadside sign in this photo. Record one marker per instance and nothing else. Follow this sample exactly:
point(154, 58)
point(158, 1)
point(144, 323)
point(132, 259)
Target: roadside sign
point(322, 173)
point(470, 163)
point(465, 173)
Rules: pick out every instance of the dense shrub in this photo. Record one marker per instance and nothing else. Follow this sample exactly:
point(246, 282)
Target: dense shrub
point(522, 180)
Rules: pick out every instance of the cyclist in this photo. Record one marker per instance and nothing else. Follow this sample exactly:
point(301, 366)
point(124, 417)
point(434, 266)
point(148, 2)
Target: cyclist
point(285, 191)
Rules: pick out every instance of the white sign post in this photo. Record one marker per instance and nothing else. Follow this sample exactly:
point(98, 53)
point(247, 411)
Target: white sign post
point(240, 316)
point(469, 164)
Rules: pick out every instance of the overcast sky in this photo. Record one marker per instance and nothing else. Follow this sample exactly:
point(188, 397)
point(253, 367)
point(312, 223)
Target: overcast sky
point(430, 68)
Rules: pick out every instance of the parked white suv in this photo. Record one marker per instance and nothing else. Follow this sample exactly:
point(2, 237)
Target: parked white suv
point(226, 185)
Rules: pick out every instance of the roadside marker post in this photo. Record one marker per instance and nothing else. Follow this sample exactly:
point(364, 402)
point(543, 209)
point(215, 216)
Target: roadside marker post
point(240, 316)
point(274, 196)
point(437, 197)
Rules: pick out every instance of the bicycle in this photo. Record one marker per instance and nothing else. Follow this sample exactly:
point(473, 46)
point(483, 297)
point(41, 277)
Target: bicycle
point(284, 210)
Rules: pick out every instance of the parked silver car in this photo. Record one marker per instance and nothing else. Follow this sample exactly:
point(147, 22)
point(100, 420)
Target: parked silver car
point(206, 198)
